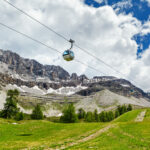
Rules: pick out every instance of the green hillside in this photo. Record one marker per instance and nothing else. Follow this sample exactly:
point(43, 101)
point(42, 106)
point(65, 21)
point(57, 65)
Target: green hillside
point(121, 134)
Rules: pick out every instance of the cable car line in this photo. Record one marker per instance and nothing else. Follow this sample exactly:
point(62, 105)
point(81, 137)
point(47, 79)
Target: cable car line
point(60, 35)
point(29, 37)
point(49, 47)
point(36, 20)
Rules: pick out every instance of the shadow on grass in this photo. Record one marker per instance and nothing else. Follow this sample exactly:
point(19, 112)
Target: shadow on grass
point(24, 134)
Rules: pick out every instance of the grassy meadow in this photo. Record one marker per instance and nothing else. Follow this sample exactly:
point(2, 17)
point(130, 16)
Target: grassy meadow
point(124, 133)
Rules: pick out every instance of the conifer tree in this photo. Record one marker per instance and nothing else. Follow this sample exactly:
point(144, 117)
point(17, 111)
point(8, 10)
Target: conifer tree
point(96, 117)
point(117, 113)
point(110, 116)
point(102, 116)
point(10, 107)
point(129, 108)
point(89, 117)
point(37, 113)
point(81, 113)
point(69, 115)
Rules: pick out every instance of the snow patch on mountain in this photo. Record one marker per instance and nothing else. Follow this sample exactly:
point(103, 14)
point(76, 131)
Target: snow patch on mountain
point(36, 90)
point(125, 85)
point(66, 90)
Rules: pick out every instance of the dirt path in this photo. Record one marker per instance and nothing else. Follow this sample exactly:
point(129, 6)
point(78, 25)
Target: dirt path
point(92, 136)
point(140, 117)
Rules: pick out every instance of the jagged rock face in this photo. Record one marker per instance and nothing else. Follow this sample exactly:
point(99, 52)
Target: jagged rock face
point(74, 76)
point(119, 86)
point(32, 68)
point(56, 77)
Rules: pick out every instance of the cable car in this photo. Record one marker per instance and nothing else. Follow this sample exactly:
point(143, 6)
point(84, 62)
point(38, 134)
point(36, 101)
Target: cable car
point(68, 55)
point(132, 92)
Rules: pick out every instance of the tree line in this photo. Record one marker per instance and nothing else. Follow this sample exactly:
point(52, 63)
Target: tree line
point(70, 116)
point(11, 111)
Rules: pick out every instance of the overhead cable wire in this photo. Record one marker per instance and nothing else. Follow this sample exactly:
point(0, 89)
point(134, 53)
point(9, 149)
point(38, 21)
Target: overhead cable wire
point(60, 35)
point(54, 49)
point(25, 13)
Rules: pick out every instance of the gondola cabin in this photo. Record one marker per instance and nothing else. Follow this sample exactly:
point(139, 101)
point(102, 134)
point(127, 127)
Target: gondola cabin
point(68, 55)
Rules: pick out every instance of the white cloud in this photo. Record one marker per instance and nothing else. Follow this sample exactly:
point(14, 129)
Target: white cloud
point(122, 4)
point(146, 28)
point(101, 31)
point(99, 1)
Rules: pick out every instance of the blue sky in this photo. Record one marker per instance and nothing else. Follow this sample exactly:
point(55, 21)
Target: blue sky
point(140, 9)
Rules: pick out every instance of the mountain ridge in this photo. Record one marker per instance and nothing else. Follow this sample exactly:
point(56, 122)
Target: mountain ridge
point(16, 70)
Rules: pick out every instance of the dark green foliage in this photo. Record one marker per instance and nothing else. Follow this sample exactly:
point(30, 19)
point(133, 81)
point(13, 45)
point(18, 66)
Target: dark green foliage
point(129, 108)
point(37, 113)
point(117, 113)
point(106, 116)
point(102, 116)
point(19, 116)
point(89, 117)
point(96, 117)
point(10, 107)
point(0, 114)
point(81, 113)
point(110, 116)
point(69, 115)
point(122, 109)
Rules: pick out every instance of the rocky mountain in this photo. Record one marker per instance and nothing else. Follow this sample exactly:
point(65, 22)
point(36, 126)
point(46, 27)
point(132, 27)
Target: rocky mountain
point(19, 71)
point(30, 69)
point(51, 85)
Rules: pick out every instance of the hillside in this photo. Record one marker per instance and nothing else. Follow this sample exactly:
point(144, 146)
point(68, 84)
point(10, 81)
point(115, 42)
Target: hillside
point(123, 132)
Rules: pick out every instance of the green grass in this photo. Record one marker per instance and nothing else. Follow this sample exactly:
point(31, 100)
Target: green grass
point(126, 134)
point(135, 136)
point(30, 134)
point(147, 116)
point(129, 116)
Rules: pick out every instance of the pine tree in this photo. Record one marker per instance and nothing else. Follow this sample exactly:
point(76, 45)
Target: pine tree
point(117, 114)
point(119, 109)
point(129, 108)
point(10, 107)
point(110, 116)
point(124, 108)
point(81, 113)
point(69, 115)
point(102, 116)
point(37, 113)
point(89, 117)
point(96, 117)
